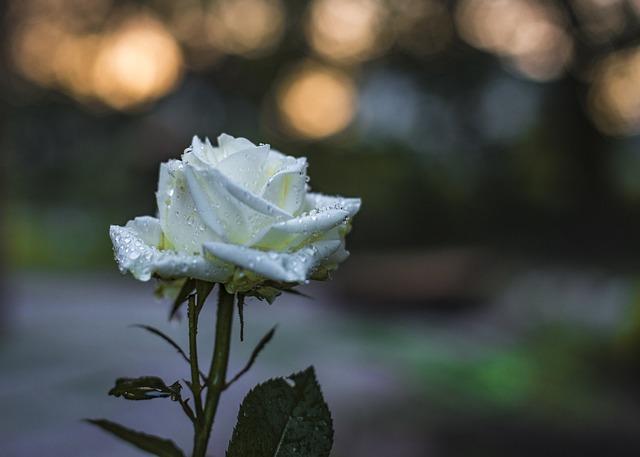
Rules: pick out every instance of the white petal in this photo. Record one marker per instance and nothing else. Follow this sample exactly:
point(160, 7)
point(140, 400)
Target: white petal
point(247, 168)
point(287, 189)
point(339, 255)
point(174, 265)
point(280, 163)
point(134, 254)
point(315, 222)
point(295, 231)
point(148, 229)
point(165, 186)
point(200, 154)
point(207, 204)
point(229, 145)
point(215, 183)
point(319, 201)
point(297, 266)
point(254, 201)
point(219, 209)
point(180, 219)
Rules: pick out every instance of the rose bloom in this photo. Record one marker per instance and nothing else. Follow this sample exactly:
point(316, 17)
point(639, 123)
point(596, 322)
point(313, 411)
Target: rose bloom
point(237, 214)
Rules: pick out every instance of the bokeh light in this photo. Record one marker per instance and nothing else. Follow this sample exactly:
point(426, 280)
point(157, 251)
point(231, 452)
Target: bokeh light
point(210, 30)
point(138, 62)
point(348, 30)
point(614, 100)
point(530, 36)
point(250, 27)
point(315, 101)
point(198, 30)
point(601, 20)
point(34, 43)
point(128, 62)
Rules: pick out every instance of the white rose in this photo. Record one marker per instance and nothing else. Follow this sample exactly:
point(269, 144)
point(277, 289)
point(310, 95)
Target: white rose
point(237, 214)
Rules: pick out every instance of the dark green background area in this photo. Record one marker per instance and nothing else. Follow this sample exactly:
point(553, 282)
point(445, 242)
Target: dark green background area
point(558, 186)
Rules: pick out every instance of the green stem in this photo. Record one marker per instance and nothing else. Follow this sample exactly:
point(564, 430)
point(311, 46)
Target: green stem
point(216, 381)
point(196, 387)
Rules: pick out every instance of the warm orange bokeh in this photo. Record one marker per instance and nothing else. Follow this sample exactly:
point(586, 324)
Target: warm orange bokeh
point(614, 100)
point(348, 30)
point(128, 62)
point(530, 36)
point(316, 101)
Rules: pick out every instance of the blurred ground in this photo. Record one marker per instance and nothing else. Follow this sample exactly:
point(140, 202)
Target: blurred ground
point(541, 370)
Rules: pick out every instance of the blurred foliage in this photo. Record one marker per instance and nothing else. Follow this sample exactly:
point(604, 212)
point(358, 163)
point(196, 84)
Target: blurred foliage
point(449, 132)
point(523, 375)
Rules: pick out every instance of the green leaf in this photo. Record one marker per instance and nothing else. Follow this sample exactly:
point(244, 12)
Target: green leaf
point(188, 287)
point(150, 443)
point(254, 355)
point(283, 419)
point(162, 335)
point(168, 339)
point(145, 388)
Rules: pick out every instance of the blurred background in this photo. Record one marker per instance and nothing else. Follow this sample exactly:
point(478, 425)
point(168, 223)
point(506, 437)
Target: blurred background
point(491, 305)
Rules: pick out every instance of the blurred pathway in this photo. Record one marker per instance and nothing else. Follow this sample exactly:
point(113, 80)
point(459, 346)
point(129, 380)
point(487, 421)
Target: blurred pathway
point(68, 337)
point(520, 375)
